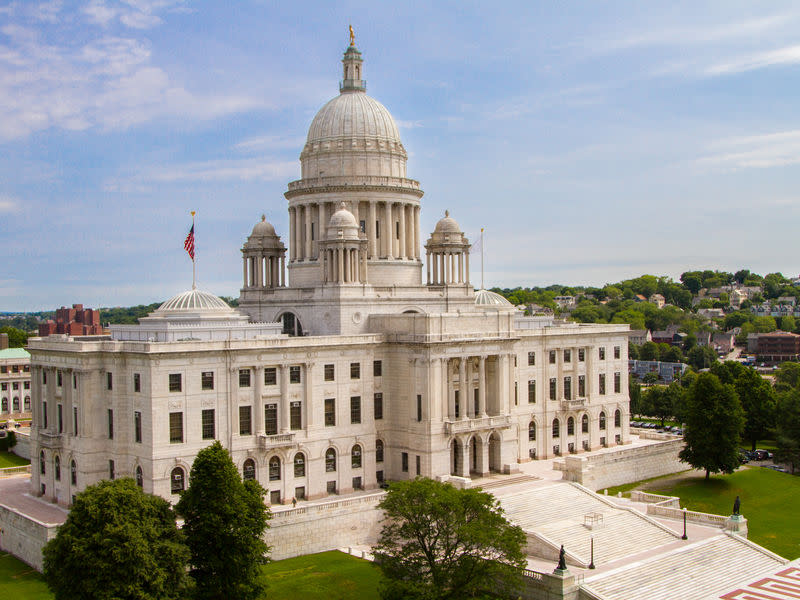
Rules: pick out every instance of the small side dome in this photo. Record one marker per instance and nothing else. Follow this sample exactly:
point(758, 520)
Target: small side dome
point(342, 218)
point(487, 299)
point(263, 228)
point(447, 224)
point(193, 301)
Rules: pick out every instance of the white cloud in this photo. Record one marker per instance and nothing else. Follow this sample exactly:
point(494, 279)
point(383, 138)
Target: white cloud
point(249, 169)
point(758, 151)
point(789, 55)
point(408, 124)
point(269, 142)
point(9, 204)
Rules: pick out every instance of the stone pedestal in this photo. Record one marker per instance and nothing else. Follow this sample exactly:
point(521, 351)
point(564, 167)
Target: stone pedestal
point(737, 524)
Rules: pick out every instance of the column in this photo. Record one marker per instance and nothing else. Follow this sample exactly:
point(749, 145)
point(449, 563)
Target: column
point(258, 404)
point(401, 243)
point(307, 209)
point(322, 235)
point(340, 265)
point(308, 402)
point(372, 239)
point(463, 394)
point(428, 265)
point(244, 272)
point(416, 232)
point(447, 393)
point(292, 234)
point(435, 402)
point(283, 405)
point(409, 211)
point(466, 274)
point(482, 384)
point(502, 384)
point(465, 456)
point(283, 271)
point(470, 391)
point(460, 267)
point(389, 238)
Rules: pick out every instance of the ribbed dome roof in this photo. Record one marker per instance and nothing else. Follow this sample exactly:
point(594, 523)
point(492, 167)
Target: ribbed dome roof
point(193, 301)
point(342, 218)
point(486, 298)
point(353, 115)
point(447, 224)
point(263, 228)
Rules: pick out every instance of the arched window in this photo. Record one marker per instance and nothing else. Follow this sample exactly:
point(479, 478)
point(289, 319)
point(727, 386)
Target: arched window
point(532, 431)
point(58, 468)
point(585, 423)
point(42, 467)
point(4, 406)
point(249, 469)
point(27, 404)
point(355, 457)
point(291, 324)
point(15, 404)
point(139, 477)
point(73, 473)
point(556, 428)
point(602, 420)
point(299, 465)
point(378, 450)
point(330, 460)
point(176, 480)
point(617, 418)
point(274, 469)
point(570, 426)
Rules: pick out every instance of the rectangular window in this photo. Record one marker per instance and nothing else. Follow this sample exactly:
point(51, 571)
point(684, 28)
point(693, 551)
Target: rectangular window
point(617, 351)
point(581, 355)
point(552, 388)
point(207, 380)
point(581, 386)
point(329, 372)
point(552, 357)
point(567, 356)
point(405, 462)
point(419, 408)
point(377, 229)
point(270, 376)
point(355, 370)
point(15, 385)
point(568, 388)
point(397, 229)
point(271, 419)
point(312, 232)
point(300, 492)
point(44, 415)
point(602, 353)
point(176, 427)
point(109, 381)
point(44, 375)
point(418, 465)
point(531, 359)
point(330, 412)
point(379, 476)
point(246, 421)
point(4, 369)
point(617, 383)
point(296, 416)
point(209, 428)
point(60, 417)
point(531, 391)
point(378, 406)
point(355, 409)
point(111, 469)
point(59, 377)
point(74, 420)
point(137, 426)
point(457, 403)
point(137, 382)
point(377, 368)
point(362, 224)
point(175, 382)
point(26, 385)
point(602, 386)
point(110, 415)
point(4, 386)
point(294, 374)
point(357, 485)
point(244, 378)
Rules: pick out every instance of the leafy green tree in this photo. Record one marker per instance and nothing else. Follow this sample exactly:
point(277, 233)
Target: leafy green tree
point(634, 395)
point(788, 323)
point(714, 421)
point(701, 357)
point(741, 275)
point(16, 337)
point(117, 543)
point(660, 401)
point(438, 542)
point(224, 521)
point(788, 429)
point(689, 342)
point(787, 376)
point(756, 396)
point(649, 351)
point(650, 378)
point(764, 324)
point(692, 281)
point(633, 351)
point(672, 354)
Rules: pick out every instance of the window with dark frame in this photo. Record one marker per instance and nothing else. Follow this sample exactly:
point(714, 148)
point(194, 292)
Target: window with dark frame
point(271, 419)
point(295, 416)
point(330, 460)
point(531, 391)
point(111, 470)
point(552, 357)
point(59, 417)
point(44, 414)
point(419, 408)
point(379, 451)
point(355, 457)
point(617, 351)
point(404, 462)
point(299, 465)
point(617, 382)
point(531, 359)
point(532, 431)
point(355, 370)
point(330, 412)
point(244, 378)
point(355, 410)
point(246, 420)
point(137, 382)
point(137, 426)
point(330, 372)
point(110, 416)
point(271, 376)
point(208, 424)
point(294, 374)
point(568, 388)
point(553, 386)
point(581, 386)
point(207, 380)
point(175, 382)
point(175, 427)
point(567, 356)
point(602, 385)
point(74, 420)
point(601, 352)
point(378, 406)
point(109, 381)
point(377, 368)
point(581, 355)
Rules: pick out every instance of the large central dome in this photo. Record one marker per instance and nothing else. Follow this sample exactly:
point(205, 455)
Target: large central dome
point(353, 115)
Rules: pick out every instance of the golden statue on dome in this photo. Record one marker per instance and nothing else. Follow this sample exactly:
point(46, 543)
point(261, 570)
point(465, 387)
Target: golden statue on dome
point(352, 37)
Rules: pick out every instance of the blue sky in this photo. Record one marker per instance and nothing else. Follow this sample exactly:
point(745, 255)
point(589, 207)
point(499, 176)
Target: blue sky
point(593, 141)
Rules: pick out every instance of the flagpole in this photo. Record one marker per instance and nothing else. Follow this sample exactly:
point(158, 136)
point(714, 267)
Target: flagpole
point(194, 266)
point(482, 259)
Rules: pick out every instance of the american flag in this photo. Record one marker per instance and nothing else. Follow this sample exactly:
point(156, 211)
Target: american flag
point(188, 245)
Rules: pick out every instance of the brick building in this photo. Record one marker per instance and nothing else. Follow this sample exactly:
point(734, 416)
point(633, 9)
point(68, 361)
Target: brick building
point(73, 321)
point(778, 346)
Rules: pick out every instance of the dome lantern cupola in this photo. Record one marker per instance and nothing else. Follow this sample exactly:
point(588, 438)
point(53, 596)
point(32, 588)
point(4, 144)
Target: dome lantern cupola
point(352, 63)
point(448, 254)
point(263, 258)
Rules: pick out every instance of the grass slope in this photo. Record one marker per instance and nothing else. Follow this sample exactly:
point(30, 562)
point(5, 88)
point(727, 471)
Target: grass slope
point(18, 580)
point(328, 576)
point(769, 502)
point(8, 459)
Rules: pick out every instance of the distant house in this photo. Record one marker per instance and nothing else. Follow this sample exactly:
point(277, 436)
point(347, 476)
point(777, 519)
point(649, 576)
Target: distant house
point(703, 338)
point(723, 341)
point(565, 302)
point(752, 342)
point(778, 346)
point(711, 313)
point(737, 296)
point(658, 300)
point(790, 300)
point(639, 336)
point(669, 336)
point(667, 371)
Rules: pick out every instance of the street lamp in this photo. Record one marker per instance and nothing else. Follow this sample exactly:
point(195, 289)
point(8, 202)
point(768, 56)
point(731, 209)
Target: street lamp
point(684, 537)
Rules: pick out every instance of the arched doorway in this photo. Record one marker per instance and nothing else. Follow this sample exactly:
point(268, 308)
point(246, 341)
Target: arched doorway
point(291, 324)
point(455, 458)
point(495, 461)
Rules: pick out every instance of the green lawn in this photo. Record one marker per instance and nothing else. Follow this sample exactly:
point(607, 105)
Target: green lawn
point(9, 459)
point(327, 576)
point(18, 580)
point(769, 502)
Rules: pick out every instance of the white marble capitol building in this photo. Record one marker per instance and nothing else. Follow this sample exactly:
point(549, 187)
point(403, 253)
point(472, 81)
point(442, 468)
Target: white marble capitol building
point(362, 354)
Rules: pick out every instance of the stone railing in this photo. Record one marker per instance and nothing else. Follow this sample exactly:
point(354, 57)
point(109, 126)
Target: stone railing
point(571, 404)
point(355, 181)
point(327, 507)
point(477, 424)
point(266, 442)
point(637, 496)
point(669, 512)
point(13, 471)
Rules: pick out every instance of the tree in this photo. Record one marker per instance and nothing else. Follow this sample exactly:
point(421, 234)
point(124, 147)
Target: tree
point(634, 396)
point(701, 357)
point(16, 337)
point(649, 351)
point(788, 430)
point(439, 542)
point(787, 376)
point(117, 542)
point(714, 421)
point(224, 520)
point(756, 396)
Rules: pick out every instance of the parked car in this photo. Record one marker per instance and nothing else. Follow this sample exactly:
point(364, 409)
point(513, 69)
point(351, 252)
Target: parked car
point(761, 455)
point(779, 468)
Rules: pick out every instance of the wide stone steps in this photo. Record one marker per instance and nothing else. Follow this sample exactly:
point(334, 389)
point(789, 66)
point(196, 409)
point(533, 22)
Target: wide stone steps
point(707, 569)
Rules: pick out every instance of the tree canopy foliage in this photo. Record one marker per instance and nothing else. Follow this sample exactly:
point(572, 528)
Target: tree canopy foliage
point(117, 543)
point(224, 521)
point(439, 542)
point(17, 338)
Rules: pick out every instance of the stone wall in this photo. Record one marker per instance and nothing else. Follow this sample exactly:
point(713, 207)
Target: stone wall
point(624, 466)
point(322, 527)
point(23, 446)
point(23, 536)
